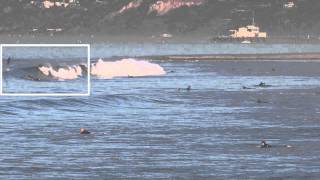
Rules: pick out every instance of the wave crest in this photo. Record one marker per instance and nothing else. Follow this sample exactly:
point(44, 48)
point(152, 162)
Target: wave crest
point(62, 73)
point(101, 69)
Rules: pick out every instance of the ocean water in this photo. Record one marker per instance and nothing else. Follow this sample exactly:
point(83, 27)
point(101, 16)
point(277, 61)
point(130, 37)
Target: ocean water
point(152, 127)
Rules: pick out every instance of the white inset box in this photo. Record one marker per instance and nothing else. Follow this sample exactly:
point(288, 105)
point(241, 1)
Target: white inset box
point(88, 75)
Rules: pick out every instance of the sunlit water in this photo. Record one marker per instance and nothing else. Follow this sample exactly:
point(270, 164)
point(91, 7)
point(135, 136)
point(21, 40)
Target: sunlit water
point(145, 128)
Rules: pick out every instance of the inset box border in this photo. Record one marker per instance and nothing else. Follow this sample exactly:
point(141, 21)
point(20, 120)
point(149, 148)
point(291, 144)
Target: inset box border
point(46, 94)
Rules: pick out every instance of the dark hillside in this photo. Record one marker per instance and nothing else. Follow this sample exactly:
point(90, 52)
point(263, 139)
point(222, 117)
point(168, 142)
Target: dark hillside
point(213, 17)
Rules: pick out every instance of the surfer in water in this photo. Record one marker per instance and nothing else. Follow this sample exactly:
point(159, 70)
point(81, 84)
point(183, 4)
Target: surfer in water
point(263, 85)
point(8, 61)
point(264, 144)
point(187, 89)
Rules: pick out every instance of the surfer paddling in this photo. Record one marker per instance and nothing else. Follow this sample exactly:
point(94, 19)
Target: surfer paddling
point(187, 89)
point(264, 144)
point(262, 85)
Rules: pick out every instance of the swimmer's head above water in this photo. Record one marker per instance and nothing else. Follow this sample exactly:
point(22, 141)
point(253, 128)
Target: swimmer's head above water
point(84, 131)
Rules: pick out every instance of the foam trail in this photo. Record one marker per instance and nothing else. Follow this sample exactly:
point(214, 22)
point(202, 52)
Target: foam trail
point(64, 73)
point(125, 68)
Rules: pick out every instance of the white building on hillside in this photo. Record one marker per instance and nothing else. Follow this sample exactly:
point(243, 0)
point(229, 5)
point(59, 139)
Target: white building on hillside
point(289, 5)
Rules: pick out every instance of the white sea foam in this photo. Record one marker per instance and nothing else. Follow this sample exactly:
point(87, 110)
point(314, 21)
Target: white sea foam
point(105, 69)
point(64, 73)
point(125, 68)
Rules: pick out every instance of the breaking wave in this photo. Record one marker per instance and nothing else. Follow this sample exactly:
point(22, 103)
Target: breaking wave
point(63, 73)
point(125, 68)
point(101, 69)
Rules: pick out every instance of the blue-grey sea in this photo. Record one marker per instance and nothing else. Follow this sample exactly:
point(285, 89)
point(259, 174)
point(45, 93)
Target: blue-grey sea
point(152, 127)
